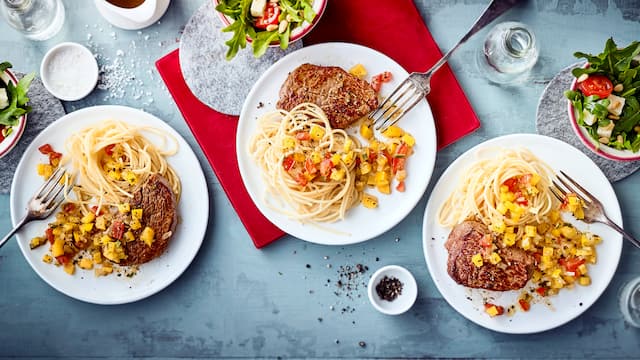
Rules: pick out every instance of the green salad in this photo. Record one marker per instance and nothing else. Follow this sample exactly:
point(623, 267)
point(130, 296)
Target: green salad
point(13, 101)
point(606, 100)
point(263, 21)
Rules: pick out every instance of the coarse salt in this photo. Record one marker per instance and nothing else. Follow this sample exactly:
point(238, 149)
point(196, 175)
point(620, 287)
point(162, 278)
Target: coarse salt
point(69, 71)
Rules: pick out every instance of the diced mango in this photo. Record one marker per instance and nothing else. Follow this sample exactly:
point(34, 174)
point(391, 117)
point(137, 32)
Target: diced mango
point(128, 236)
point(316, 133)
point(530, 231)
point(124, 208)
point(365, 168)
point(86, 263)
point(393, 131)
point(337, 174)
point(101, 223)
point(494, 258)
point(57, 249)
point(477, 260)
point(147, 236)
point(358, 71)
point(408, 139)
point(584, 280)
point(509, 239)
point(365, 131)
point(136, 214)
point(135, 224)
point(37, 241)
point(47, 259)
point(87, 218)
point(69, 268)
point(369, 201)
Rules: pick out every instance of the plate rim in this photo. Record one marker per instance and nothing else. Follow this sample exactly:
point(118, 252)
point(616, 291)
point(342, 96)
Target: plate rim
point(240, 142)
point(197, 175)
point(614, 214)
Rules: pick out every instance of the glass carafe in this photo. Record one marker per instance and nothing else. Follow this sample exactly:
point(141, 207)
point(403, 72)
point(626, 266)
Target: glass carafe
point(35, 19)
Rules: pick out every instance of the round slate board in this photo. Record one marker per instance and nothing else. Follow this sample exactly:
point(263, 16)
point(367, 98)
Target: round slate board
point(46, 109)
point(223, 85)
point(552, 120)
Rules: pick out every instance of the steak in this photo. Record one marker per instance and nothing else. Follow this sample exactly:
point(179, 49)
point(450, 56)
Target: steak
point(342, 96)
point(159, 212)
point(512, 273)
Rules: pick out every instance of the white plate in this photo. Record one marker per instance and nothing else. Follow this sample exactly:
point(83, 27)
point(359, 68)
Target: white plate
point(193, 211)
point(569, 303)
point(360, 223)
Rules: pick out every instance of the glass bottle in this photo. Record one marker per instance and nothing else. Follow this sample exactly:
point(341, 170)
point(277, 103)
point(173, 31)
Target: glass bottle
point(35, 19)
point(630, 302)
point(509, 52)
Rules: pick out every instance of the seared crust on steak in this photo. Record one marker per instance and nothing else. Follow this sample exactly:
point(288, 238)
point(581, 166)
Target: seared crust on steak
point(512, 273)
point(159, 212)
point(342, 96)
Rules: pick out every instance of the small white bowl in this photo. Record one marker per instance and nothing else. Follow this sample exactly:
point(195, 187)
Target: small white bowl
point(11, 141)
point(404, 301)
point(69, 71)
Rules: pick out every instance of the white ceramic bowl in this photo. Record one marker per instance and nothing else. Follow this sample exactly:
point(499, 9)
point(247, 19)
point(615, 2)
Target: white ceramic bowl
point(404, 301)
point(10, 141)
point(69, 71)
point(593, 144)
point(297, 33)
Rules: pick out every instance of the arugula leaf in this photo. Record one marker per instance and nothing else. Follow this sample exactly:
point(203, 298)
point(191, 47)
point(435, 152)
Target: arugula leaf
point(5, 65)
point(23, 87)
point(262, 40)
point(17, 99)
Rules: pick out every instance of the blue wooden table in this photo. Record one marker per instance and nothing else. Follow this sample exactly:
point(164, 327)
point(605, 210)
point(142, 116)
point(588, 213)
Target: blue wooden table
point(235, 301)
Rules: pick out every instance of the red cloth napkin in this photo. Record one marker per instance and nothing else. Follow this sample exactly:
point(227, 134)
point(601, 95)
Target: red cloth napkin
point(394, 28)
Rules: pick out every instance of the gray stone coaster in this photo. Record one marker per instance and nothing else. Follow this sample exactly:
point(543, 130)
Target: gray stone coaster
point(552, 120)
point(223, 85)
point(46, 109)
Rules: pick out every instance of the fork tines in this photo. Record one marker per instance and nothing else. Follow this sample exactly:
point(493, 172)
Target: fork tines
point(51, 189)
point(393, 108)
point(570, 186)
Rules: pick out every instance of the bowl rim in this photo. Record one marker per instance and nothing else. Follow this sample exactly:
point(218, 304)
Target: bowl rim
point(397, 309)
point(92, 77)
point(297, 34)
point(602, 150)
point(18, 130)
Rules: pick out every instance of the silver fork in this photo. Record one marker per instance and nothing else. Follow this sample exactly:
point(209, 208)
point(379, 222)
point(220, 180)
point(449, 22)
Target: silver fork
point(593, 210)
point(418, 85)
point(43, 203)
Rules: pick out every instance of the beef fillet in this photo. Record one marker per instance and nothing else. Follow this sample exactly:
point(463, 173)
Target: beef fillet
point(342, 96)
point(512, 273)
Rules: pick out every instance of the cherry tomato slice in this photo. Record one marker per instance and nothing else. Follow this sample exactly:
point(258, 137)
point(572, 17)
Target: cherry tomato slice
point(598, 85)
point(270, 16)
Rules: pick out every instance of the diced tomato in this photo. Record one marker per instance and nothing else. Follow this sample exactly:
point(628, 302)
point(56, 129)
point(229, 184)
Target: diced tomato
point(526, 179)
point(524, 304)
point(401, 186)
point(521, 199)
point(486, 241)
point(109, 149)
point(376, 85)
point(571, 264)
point(96, 211)
point(386, 154)
point(598, 85)
point(512, 184)
point(49, 234)
point(270, 16)
point(2, 137)
point(397, 164)
point(542, 291)
point(45, 149)
point(63, 259)
point(538, 256)
point(301, 179)
point(68, 207)
point(499, 308)
point(303, 135)
point(288, 162)
point(310, 166)
point(117, 229)
point(371, 156)
point(54, 158)
point(325, 167)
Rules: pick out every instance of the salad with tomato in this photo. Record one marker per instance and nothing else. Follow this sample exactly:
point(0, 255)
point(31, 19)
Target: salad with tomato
point(13, 100)
point(606, 100)
point(264, 22)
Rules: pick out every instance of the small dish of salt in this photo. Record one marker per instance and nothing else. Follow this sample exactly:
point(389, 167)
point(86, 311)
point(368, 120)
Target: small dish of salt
point(69, 71)
point(392, 290)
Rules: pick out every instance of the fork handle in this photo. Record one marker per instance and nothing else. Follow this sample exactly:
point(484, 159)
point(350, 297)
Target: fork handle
point(626, 235)
point(495, 9)
point(21, 223)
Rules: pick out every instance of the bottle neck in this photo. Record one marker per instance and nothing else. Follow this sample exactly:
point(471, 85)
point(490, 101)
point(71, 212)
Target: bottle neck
point(518, 41)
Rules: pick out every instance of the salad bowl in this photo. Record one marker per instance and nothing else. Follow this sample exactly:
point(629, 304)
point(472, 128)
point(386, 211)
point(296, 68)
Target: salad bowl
point(10, 134)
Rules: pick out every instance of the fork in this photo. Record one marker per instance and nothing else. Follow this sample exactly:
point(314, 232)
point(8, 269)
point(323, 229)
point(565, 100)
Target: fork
point(593, 209)
point(43, 203)
point(418, 85)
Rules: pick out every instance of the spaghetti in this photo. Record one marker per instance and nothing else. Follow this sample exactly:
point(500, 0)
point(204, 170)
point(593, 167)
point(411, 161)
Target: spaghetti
point(113, 159)
point(309, 165)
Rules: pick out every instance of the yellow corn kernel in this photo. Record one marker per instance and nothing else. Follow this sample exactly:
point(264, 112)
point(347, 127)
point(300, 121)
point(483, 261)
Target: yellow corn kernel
point(130, 177)
point(47, 259)
point(509, 239)
point(135, 224)
point(115, 175)
point(348, 158)
point(584, 280)
point(136, 214)
point(530, 231)
point(369, 201)
point(499, 227)
point(124, 208)
point(86, 263)
point(89, 217)
point(57, 249)
point(97, 257)
point(365, 168)
point(408, 139)
point(494, 258)
point(547, 251)
point(365, 131)
point(337, 175)
point(69, 268)
point(477, 260)
point(335, 159)
point(393, 131)
point(128, 236)
point(37, 241)
point(101, 223)
point(147, 236)
point(85, 228)
point(358, 71)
